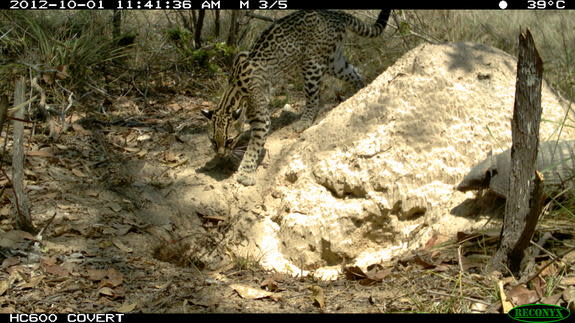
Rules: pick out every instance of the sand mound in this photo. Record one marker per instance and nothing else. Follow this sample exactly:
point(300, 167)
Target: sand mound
point(374, 178)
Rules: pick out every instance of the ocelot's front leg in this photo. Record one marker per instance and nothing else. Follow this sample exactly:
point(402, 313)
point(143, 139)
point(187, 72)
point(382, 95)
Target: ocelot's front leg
point(259, 120)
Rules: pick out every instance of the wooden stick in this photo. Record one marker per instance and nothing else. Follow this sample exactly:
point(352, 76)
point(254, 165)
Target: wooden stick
point(23, 220)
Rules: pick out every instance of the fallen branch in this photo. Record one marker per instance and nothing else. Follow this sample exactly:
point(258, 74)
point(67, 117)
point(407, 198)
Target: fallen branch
point(471, 299)
point(15, 108)
point(44, 107)
point(553, 260)
point(39, 235)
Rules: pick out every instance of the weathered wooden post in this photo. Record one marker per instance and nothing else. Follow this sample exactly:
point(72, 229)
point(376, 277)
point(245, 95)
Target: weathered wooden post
point(524, 202)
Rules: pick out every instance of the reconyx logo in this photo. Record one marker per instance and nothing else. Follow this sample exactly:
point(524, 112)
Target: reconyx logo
point(539, 313)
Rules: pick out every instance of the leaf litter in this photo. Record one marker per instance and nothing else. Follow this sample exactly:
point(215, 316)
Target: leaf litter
point(102, 254)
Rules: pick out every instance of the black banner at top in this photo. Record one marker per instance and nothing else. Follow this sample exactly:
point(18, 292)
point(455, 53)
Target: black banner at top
point(279, 4)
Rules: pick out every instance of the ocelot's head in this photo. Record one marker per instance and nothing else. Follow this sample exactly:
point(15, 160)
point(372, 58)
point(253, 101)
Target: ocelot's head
point(225, 127)
point(226, 122)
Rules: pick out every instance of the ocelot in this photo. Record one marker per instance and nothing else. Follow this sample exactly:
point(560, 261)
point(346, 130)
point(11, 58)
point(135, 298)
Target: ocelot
point(310, 41)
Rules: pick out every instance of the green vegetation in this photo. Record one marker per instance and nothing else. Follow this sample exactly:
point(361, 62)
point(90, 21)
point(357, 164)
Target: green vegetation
point(165, 42)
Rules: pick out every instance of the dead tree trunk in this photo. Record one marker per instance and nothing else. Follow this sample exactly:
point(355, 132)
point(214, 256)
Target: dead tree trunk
point(198, 29)
point(233, 32)
point(187, 22)
point(522, 209)
point(216, 23)
point(23, 220)
point(117, 23)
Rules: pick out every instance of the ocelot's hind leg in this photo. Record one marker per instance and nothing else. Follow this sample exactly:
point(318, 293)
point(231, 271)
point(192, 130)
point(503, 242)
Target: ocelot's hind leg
point(343, 70)
point(313, 73)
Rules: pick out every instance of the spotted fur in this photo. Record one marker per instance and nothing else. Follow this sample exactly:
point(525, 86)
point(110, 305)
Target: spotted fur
point(309, 41)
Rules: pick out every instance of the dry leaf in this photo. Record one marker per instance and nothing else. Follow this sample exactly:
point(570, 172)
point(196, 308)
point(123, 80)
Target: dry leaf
point(33, 282)
point(132, 149)
point(40, 153)
point(4, 285)
point(5, 211)
point(122, 229)
point(553, 299)
point(470, 262)
point(252, 293)
point(505, 303)
point(569, 295)
point(65, 206)
point(174, 107)
point(431, 242)
point(79, 129)
point(62, 72)
point(104, 244)
point(142, 153)
point(48, 77)
point(62, 147)
point(62, 229)
point(121, 246)
point(375, 277)
point(520, 295)
point(96, 274)
point(568, 281)
point(127, 307)
point(354, 273)
point(30, 173)
point(115, 206)
point(50, 196)
point(569, 258)
point(144, 137)
point(61, 248)
point(106, 291)
point(550, 270)
point(7, 310)
point(11, 239)
point(271, 283)
point(539, 285)
point(425, 264)
point(114, 277)
point(92, 193)
point(317, 296)
point(478, 308)
point(170, 157)
point(56, 270)
point(10, 261)
point(78, 173)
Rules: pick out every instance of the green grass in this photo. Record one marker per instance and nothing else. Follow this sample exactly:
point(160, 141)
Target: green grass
point(40, 44)
point(501, 29)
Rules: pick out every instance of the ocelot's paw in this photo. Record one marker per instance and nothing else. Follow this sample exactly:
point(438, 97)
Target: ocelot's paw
point(246, 178)
point(302, 125)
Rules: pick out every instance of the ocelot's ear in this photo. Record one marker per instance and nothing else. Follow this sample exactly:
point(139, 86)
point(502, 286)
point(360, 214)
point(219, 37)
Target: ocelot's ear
point(237, 113)
point(208, 113)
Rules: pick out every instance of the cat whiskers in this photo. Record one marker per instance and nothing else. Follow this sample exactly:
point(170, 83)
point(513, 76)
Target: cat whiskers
point(238, 152)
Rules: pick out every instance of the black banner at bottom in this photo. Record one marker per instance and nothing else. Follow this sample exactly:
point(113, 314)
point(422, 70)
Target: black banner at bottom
point(129, 318)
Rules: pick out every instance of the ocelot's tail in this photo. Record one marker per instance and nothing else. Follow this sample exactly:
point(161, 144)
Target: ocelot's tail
point(361, 28)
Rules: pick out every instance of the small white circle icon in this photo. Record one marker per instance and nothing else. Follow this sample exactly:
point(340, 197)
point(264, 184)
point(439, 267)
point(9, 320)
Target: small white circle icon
point(502, 4)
